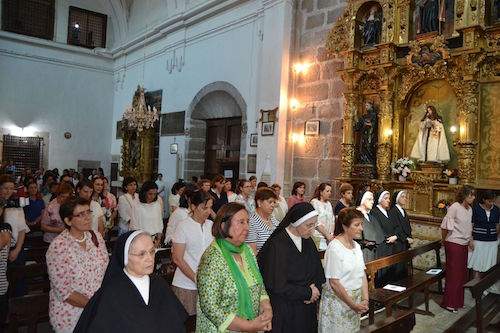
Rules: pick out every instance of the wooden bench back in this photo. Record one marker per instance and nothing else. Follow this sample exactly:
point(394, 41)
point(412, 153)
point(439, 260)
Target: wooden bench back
point(28, 311)
point(401, 322)
point(373, 266)
point(479, 285)
point(35, 276)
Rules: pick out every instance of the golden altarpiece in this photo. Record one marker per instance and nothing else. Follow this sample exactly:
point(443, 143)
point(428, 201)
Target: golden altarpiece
point(400, 58)
point(138, 133)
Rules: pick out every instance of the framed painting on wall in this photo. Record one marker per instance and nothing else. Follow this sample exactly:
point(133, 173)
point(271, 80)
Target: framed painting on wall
point(254, 139)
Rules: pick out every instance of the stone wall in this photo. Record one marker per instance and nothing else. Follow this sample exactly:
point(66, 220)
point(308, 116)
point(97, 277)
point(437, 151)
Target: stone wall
point(317, 159)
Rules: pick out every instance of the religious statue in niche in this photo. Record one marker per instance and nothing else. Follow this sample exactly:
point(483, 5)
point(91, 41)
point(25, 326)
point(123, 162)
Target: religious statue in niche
point(429, 16)
point(367, 127)
point(371, 27)
point(431, 144)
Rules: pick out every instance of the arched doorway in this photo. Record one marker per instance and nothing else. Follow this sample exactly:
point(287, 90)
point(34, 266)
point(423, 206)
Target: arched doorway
point(217, 123)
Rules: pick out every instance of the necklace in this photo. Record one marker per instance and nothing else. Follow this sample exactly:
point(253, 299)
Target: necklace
point(84, 238)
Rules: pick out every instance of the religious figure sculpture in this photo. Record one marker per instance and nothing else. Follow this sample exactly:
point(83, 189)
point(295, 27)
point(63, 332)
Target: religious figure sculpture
point(371, 27)
point(367, 127)
point(431, 144)
point(428, 15)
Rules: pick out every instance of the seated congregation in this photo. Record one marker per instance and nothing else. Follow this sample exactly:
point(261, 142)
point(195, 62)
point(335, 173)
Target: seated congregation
point(242, 261)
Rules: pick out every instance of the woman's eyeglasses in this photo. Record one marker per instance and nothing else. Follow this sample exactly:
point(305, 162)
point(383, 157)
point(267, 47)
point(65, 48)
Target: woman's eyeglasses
point(85, 213)
point(143, 254)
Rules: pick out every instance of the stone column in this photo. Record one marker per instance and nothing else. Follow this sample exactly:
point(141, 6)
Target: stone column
point(350, 110)
point(467, 145)
point(384, 148)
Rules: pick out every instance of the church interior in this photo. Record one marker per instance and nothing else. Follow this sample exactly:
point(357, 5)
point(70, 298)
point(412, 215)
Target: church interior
point(386, 96)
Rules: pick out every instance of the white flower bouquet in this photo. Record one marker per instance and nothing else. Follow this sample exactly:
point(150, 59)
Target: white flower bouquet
point(402, 167)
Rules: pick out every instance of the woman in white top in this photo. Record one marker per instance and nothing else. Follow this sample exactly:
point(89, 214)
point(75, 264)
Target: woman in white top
point(127, 204)
point(345, 294)
point(326, 219)
point(245, 196)
point(180, 214)
point(174, 197)
point(228, 188)
point(281, 207)
point(191, 238)
point(149, 212)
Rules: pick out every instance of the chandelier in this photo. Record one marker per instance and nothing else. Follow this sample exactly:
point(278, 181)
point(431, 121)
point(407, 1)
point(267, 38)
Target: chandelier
point(139, 116)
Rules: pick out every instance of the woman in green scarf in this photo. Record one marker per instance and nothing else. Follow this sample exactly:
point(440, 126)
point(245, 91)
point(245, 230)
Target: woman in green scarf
point(231, 294)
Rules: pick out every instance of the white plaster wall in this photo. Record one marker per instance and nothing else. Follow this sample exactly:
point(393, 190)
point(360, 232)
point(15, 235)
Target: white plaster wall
point(210, 55)
point(58, 90)
point(244, 46)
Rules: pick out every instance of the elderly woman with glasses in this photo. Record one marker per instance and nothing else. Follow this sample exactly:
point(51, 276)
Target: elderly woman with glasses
point(76, 262)
point(130, 298)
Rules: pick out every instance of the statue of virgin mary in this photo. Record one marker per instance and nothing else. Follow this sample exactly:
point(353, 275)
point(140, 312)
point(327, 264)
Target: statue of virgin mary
point(431, 144)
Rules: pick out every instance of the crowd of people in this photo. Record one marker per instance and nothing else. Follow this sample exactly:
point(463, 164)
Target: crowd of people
point(246, 258)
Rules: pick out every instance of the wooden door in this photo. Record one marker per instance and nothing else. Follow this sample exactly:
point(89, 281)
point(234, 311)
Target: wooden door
point(222, 152)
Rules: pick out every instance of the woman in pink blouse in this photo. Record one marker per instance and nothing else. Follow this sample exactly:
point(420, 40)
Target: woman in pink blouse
point(298, 190)
point(76, 262)
point(51, 223)
point(457, 238)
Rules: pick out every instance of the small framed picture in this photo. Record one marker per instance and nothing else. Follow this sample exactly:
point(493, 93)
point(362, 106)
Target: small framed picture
point(173, 148)
point(254, 139)
point(267, 128)
point(251, 163)
point(311, 127)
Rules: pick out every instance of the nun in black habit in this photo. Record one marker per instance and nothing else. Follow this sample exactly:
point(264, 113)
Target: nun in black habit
point(391, 234)
point(130, 300)
point(373, 239)
point(399, 217)
point(292, 271)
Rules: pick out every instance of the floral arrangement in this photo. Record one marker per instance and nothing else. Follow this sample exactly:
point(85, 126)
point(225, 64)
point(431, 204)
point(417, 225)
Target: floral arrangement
point(443, 204)
point(441, 207)
point(139, 116)
point(451, 173)
point(402, 167)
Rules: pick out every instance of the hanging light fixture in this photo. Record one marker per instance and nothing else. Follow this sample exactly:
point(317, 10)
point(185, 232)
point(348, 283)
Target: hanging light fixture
point(139, 116)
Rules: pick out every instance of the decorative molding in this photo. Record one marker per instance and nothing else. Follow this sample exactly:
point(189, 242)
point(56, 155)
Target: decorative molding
point(58, 61)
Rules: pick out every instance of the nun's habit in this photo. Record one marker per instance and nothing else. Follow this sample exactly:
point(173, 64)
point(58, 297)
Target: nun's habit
point(386, 275)
point(288, 272)
point(399, 217)
point(121, 306)
point(373, 240)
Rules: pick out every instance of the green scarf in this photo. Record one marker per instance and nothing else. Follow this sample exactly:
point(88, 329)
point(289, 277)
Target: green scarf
point(245, 307)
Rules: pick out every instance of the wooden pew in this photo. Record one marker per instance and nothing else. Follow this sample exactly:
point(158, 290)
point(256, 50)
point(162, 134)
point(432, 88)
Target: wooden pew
point(29, 310)
point(419, 282)
point(486, 307)
point(36, 254)
point(35, 276)
point(401, 322)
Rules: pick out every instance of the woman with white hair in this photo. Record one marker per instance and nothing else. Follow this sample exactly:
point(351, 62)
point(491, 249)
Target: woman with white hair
point(130, 300)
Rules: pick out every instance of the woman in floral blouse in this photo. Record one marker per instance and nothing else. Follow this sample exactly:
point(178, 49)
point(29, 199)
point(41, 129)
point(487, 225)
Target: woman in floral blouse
point(231, 293)
point(76, 262)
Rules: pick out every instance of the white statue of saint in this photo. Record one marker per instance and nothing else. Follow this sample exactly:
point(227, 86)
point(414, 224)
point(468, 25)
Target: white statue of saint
point(431, 144)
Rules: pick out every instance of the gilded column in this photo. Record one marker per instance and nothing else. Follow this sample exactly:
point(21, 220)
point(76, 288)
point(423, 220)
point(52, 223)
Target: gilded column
point(146, 162)
point(404, 21)
point(384, 147)
point(468, 120)
point(350, 110)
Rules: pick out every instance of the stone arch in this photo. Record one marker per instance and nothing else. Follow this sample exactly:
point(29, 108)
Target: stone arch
point(214, 101)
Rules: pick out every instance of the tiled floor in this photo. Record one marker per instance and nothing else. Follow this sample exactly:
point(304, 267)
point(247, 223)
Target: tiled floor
point(442, 319)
